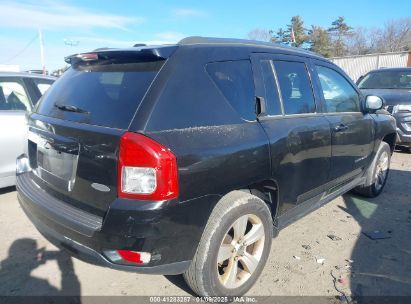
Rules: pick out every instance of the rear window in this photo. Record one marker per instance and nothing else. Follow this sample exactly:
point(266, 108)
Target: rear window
point(235, 81)
point(104, 94)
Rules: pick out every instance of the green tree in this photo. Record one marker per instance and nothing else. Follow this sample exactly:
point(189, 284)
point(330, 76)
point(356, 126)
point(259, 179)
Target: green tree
point(320, 41)
point(339, 32)
point(280, 36)
point(300, 33)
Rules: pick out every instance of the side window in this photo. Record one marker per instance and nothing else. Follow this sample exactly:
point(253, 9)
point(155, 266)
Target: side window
point(338, 93)
point(271, 92)
point(295, 87)
point(235, 81)
point(42, 85)
point(13, 96)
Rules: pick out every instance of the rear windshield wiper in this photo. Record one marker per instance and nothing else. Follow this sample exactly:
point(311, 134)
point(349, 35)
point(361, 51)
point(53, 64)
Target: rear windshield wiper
point(70, 108)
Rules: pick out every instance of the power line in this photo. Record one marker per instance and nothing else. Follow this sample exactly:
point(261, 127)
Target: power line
point(22, 50)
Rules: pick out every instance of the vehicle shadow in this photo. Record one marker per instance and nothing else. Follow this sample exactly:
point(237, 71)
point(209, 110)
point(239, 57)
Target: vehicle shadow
point(402, 149)
point(7, 190)
point(178, 281)
point(380, 267)
point(383, 267)
point(24, 257)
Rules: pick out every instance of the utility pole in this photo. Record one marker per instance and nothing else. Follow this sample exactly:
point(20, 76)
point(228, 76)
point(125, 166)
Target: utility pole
point(43, 65)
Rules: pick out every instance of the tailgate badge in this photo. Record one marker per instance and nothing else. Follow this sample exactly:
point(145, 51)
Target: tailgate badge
point(100, 187)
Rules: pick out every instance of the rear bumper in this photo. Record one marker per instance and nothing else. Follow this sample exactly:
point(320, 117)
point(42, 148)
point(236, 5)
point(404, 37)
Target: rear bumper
point(91, 256)
point(170, 232)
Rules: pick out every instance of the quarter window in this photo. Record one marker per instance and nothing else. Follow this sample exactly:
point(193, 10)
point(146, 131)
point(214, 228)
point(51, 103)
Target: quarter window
point(295, 87)
point(338, 93)
point(235, 81)
point(13, 96)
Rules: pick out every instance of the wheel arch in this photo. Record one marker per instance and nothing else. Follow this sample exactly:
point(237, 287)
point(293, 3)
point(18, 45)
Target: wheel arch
point(268, 191)
point(390, 139)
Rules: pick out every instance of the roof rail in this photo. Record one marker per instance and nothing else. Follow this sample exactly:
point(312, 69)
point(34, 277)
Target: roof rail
point(213, 40)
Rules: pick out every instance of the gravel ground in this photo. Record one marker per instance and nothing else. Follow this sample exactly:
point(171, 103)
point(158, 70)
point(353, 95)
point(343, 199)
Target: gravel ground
point(353, 263)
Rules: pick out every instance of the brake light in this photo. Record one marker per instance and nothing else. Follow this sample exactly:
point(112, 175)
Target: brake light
point(88, 56)
point(146, 169)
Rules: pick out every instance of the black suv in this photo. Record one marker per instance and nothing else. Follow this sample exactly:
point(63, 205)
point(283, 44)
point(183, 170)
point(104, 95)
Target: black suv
point(394, 86)
point(188, 159)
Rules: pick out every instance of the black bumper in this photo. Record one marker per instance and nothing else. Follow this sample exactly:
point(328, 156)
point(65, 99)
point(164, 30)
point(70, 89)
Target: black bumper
point(170, 232)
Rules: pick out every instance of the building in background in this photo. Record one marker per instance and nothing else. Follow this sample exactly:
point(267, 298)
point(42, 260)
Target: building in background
point(9, 68)
point(356, 66)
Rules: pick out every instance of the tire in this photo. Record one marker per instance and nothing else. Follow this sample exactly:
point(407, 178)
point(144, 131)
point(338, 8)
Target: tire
point(207, 277)
point(377, 174)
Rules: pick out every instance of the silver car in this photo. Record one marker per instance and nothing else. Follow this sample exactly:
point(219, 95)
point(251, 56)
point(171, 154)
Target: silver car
point(19, 92)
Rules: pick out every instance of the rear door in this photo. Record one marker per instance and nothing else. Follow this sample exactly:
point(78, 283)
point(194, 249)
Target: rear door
point(352, 130)
point(14, 102)
point(299, 135)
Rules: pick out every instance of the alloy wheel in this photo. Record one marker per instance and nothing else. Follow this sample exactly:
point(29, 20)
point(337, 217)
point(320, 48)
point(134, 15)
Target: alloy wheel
point(240, 251)
point(381, 170)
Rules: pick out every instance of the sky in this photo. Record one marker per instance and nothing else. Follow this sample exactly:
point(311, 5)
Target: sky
point(73, 26)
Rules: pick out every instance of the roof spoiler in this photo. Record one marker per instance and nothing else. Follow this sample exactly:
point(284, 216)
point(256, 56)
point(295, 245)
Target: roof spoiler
point(143, 54)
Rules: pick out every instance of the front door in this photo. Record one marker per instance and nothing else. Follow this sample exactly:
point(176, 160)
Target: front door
point(352, 130)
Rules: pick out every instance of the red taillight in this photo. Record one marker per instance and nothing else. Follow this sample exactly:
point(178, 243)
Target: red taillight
point(127, 256)
point(130, 256)
point(146, 169)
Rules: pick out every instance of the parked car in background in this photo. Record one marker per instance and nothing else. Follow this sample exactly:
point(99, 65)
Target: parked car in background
point(19, 92)
point(188, 158)
point(394, 86)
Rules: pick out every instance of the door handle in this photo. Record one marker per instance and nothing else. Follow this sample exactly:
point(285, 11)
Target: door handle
point(340, 127)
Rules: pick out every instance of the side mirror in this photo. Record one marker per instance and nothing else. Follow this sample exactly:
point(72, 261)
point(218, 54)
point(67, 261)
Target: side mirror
point(373, 103)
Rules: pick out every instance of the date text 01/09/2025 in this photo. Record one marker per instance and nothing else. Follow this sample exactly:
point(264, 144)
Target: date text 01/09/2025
point(188, 299)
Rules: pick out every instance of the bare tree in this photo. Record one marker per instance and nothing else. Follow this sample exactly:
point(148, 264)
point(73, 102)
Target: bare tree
point(261, 34)
point(395, 36)
point(374, 35)
point(341, 39)
point(360, 42)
